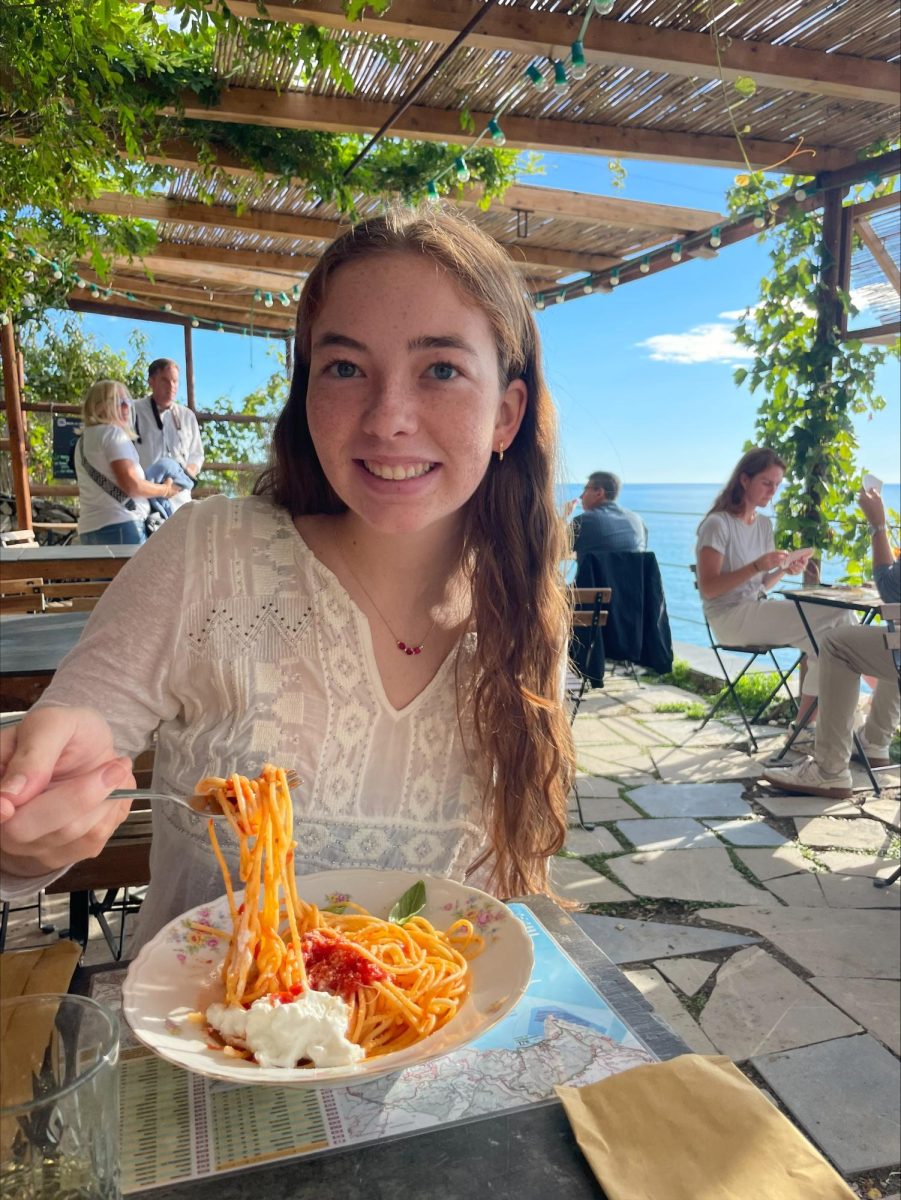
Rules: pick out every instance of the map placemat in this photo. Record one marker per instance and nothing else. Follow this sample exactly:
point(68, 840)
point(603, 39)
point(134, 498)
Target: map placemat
point(177, 1126)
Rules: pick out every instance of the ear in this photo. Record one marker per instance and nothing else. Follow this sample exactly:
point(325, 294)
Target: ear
point(510, 412)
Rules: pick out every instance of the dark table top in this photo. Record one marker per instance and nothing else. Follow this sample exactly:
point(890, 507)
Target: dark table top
point(525, 1154)
point(36, 643)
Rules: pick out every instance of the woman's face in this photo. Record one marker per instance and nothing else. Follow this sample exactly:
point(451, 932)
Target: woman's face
point(404, 401)
point(123, 410)
point(762, 487)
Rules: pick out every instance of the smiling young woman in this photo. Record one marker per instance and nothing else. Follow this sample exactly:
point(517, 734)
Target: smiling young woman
point(385, 615)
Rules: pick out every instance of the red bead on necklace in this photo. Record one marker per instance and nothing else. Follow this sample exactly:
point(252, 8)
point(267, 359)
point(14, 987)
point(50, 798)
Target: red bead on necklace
point(410, 649)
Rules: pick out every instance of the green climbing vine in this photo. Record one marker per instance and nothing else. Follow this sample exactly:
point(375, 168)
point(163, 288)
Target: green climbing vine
point(812, 389)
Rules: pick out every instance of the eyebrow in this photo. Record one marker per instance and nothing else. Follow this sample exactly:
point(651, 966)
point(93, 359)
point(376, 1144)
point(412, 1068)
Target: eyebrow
point(426, 342)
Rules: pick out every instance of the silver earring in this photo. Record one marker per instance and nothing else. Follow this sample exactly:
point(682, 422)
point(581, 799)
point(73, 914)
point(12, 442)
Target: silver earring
point(500, 452)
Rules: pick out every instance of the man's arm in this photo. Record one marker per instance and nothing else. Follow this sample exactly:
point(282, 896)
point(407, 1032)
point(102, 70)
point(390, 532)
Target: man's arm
point(886, 571)
point(194, 450)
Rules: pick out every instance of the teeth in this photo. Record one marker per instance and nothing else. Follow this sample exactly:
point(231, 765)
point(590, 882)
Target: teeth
point(385, 472)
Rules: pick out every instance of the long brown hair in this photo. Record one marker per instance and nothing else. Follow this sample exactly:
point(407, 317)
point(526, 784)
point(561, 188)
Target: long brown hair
point(513, 544)
point(732, 498)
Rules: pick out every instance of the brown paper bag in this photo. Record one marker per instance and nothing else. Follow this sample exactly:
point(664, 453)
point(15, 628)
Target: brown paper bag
point(694, 1128)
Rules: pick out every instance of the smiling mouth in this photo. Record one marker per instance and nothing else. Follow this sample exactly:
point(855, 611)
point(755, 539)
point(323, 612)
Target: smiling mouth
point(383, 471)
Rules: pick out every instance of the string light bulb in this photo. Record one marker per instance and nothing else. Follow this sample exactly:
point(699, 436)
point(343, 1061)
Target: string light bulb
point(295, 291)
point(79, 282)
point(759, 221)
point(167, 307)
point(539, 83)
point(267, 299)
point(645, 265)
point(194, 323)
point(539, 303)
point(715, 238)
point(257, 296)
point(461, 170)
point(559, 298)
point(220, 328)
point(431, 192)
point(603, 7)
point(588, 287)
point(55, 271)
point(614, 277)
point(676, 254)
point(283, 299)
point(497, 134)
point(801, 194)
point(577, 58)
point(561, 83)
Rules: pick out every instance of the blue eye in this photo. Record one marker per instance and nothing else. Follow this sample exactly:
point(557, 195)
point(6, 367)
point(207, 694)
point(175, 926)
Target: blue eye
point(444, 371)
point(343, 369)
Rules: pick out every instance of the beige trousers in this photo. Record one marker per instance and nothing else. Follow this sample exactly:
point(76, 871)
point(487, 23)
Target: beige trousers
point(845, 655)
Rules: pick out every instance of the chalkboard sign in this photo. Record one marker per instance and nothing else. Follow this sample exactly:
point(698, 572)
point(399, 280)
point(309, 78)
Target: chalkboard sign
point(65, 432)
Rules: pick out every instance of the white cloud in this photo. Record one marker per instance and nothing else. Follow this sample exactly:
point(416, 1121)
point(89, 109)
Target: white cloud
point(710, 343)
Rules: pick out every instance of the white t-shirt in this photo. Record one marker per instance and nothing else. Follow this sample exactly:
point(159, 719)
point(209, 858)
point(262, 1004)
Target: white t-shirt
point(245, 649)
point(739, 544)
point(103, 445)
point(179, 438)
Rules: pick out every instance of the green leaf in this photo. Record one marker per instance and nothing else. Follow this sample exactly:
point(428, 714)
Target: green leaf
point(410, 903)
point(745, 86)
point(335, 908)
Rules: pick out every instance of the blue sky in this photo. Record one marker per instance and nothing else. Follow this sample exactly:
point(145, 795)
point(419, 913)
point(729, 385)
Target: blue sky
point(642, 377)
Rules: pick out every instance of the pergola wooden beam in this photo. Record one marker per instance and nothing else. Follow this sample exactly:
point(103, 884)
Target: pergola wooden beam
point(551, 202)
point(184, 298)
point(218, 217)
point(220, 271)
point(609, 42)
point(290, 266)
point(296, 110)
point(876, 247)
point(208, 315)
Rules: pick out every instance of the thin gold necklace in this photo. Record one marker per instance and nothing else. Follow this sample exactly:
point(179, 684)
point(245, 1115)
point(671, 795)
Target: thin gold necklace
point(404, 647)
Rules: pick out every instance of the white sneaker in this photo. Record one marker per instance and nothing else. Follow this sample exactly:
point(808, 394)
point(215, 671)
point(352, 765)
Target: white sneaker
point(807, 777)
point(877, 756)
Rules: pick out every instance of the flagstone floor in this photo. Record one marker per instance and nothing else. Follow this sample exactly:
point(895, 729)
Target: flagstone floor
point(748, 918)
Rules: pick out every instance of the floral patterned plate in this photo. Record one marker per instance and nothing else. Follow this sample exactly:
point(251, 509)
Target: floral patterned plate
point(177, 973)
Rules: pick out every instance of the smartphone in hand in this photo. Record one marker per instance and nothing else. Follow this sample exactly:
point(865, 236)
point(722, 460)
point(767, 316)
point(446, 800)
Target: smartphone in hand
point(872, 483)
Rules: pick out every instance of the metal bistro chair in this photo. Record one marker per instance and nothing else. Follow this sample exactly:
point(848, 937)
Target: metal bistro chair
point(752, 654)
point(891, 614)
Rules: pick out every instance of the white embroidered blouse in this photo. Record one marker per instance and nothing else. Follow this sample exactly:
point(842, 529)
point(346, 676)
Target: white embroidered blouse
point(229, 635)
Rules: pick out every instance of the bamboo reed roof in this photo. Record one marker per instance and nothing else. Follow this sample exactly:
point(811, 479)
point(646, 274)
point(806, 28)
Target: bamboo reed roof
point(658, 85)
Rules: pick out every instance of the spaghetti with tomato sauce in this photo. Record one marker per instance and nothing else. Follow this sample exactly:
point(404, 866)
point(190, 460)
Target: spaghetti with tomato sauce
point(305, 985)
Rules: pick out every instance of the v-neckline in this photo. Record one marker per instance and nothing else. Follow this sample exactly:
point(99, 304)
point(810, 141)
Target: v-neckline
point(364, 632)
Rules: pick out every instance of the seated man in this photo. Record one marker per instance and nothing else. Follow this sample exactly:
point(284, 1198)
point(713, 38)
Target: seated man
point(846, 653)
point(602, 524)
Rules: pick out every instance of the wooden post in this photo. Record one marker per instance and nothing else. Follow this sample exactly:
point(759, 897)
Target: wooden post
point(189, 366)
point(289, 358)
point(12, 397)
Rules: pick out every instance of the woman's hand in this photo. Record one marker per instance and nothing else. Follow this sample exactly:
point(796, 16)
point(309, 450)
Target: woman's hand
point(56, 770)
point(773, 560)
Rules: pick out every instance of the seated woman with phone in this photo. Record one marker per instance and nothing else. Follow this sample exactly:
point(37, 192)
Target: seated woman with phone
point(738, 564)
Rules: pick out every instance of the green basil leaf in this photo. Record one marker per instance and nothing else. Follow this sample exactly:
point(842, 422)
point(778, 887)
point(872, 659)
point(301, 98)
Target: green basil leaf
point(410, 903)
point(335, 908)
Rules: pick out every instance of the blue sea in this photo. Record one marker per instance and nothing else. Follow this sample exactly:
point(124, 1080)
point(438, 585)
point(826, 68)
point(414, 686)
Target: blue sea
point(672, 512)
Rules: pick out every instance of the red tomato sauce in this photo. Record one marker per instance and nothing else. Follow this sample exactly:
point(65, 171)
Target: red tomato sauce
point(335, 965)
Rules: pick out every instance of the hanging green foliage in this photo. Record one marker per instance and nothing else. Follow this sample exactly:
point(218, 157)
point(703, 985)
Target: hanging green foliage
point(92, 89)
point(812, 388)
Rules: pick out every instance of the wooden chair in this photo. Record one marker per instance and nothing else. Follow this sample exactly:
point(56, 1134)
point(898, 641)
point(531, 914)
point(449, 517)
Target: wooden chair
point(589, 614)
point(18, 538)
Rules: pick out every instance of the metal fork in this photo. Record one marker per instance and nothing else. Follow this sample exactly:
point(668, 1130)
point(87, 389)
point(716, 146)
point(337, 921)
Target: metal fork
point(200, 805)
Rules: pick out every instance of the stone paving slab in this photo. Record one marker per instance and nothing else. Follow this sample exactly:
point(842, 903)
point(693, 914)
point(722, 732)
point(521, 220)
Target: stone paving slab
point(860, 834)
point(617, 762)
point(635, 733)
point(750, 832)
point(684, 875)
point(626, 940)
point(844, 1093)
point(596, 731)
point(666, 1004)
point(598, 809)
point(875, 1003)
point(667, 833)
point(833, 942)
point(704, 766)
point(692, 800)
point(646, 699)
point(772, 864)
point(758, 1006)
point(595, 702)
point(688, 974)
point(596, 786)
point(846, 862)
point(780, 804)
point(595, 841)
point(801, 890)
point(575, 880)
point(854, 891)
point(885, 808)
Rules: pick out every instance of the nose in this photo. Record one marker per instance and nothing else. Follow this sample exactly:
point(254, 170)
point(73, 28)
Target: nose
point(391, 408)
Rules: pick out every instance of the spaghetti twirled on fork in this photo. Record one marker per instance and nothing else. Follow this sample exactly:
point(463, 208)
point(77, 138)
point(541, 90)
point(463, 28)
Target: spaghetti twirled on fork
point(402, 982)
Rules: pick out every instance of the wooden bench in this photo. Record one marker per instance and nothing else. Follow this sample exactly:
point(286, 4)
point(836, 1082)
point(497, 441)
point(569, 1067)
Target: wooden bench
point(43, 585)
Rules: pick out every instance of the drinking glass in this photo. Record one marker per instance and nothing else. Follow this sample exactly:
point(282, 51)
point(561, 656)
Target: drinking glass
point(59, 1099)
